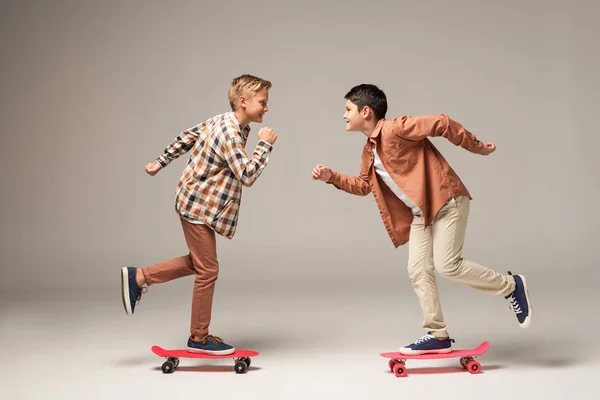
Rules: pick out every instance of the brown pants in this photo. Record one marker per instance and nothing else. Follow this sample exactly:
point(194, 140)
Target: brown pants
point(202, 261)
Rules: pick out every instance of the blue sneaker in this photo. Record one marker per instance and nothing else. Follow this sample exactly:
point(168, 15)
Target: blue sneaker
point(518, 301)
point(131, 293)
point(210, 345)
point(428, 344)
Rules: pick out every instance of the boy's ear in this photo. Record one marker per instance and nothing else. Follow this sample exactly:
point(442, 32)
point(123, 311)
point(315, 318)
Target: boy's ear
point(242, 102)
point(366, 111)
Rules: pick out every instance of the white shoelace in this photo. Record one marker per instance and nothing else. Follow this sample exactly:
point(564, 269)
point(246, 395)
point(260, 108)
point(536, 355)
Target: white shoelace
point(513, 305)
point(425, 338)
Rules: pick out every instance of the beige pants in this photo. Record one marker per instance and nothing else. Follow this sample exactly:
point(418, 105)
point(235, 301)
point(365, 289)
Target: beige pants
point(439, 247)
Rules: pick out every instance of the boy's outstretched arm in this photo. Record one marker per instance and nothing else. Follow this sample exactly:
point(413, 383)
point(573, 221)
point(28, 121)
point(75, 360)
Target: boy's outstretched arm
point(248, 170)
point(181, 145)
point(420, 127)
point(357, 185)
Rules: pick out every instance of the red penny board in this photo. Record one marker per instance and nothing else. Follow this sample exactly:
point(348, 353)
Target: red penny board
point(159, 351)
point(454, 353)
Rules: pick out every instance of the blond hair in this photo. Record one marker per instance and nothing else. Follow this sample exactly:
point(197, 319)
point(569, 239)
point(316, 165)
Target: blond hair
point(245, 85)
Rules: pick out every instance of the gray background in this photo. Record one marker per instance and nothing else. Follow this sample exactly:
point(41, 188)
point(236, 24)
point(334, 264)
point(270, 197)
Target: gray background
point(91, 91)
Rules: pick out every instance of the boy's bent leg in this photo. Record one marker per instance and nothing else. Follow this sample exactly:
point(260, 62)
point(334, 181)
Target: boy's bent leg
point(448, 237)
point(421, 272)
point(168, 270)
point(132, 283)
point(449, 229)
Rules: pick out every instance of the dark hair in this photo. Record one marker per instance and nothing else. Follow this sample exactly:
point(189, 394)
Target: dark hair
point(370, 96)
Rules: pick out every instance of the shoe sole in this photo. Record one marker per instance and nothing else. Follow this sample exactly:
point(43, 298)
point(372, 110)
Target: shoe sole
point(125, 291)
point(410, 352)
point(527, 321)
point(211, 352)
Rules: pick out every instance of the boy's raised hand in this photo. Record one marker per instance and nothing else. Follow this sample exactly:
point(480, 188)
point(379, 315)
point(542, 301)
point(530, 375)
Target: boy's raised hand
point(322, 173)
point(152, 168)
point(268, 135)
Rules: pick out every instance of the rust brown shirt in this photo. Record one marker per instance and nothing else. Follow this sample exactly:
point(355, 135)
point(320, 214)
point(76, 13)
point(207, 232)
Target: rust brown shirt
point(415, 165)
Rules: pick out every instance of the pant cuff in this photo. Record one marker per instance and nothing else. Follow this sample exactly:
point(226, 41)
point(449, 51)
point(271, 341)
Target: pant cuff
point(511, 286)
point(147, 276)
point(438, 333)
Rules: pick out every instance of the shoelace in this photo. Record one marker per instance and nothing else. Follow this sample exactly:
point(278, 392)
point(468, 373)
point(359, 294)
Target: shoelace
point(144, 290)
point(514, 305)
point(215, 339)
point(425, 338)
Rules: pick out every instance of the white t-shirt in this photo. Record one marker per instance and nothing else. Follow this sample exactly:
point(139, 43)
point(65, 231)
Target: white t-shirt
point(385, 176)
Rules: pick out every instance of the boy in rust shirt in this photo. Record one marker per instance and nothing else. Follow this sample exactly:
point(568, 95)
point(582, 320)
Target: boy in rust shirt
point(422, 202)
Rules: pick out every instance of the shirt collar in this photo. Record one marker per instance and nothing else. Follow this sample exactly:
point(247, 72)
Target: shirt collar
point(377, 130)
point(243, 131)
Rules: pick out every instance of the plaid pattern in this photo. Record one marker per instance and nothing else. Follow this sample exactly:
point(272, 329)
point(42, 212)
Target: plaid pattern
point(210, 188)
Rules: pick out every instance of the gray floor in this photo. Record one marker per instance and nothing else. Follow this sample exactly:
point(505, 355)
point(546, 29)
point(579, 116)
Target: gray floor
point(316, 341)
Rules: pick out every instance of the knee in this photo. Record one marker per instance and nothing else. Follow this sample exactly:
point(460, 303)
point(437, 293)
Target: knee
point(208, 274)
point(449, 268)
point(206, 279)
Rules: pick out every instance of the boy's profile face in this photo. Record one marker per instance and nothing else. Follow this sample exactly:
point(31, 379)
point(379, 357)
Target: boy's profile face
point(354, 119)
point(255, 107)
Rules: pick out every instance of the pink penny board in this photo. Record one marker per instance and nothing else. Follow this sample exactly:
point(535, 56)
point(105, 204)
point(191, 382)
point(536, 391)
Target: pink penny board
point(241, 358)
point(467, 359)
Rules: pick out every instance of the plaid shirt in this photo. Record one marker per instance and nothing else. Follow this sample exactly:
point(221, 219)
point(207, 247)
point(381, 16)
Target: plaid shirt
point(210, 188)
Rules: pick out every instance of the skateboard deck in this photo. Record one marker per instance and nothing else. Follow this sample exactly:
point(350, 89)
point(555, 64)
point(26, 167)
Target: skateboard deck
point(467, 357)
point(241, 358)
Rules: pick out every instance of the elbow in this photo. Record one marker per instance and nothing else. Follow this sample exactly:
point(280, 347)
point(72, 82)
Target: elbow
point(248, 181)
point(365, 190)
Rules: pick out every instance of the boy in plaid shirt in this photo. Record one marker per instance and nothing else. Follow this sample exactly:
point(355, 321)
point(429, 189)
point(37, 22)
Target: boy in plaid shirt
point(207, 201)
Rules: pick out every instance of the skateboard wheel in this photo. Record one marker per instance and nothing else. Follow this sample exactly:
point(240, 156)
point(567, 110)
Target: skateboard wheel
point(246, 360)
point(400, 370)
point(174, 360)
point(391, 364)
point(168, 367)
point(241, 367)
point(473, 367)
